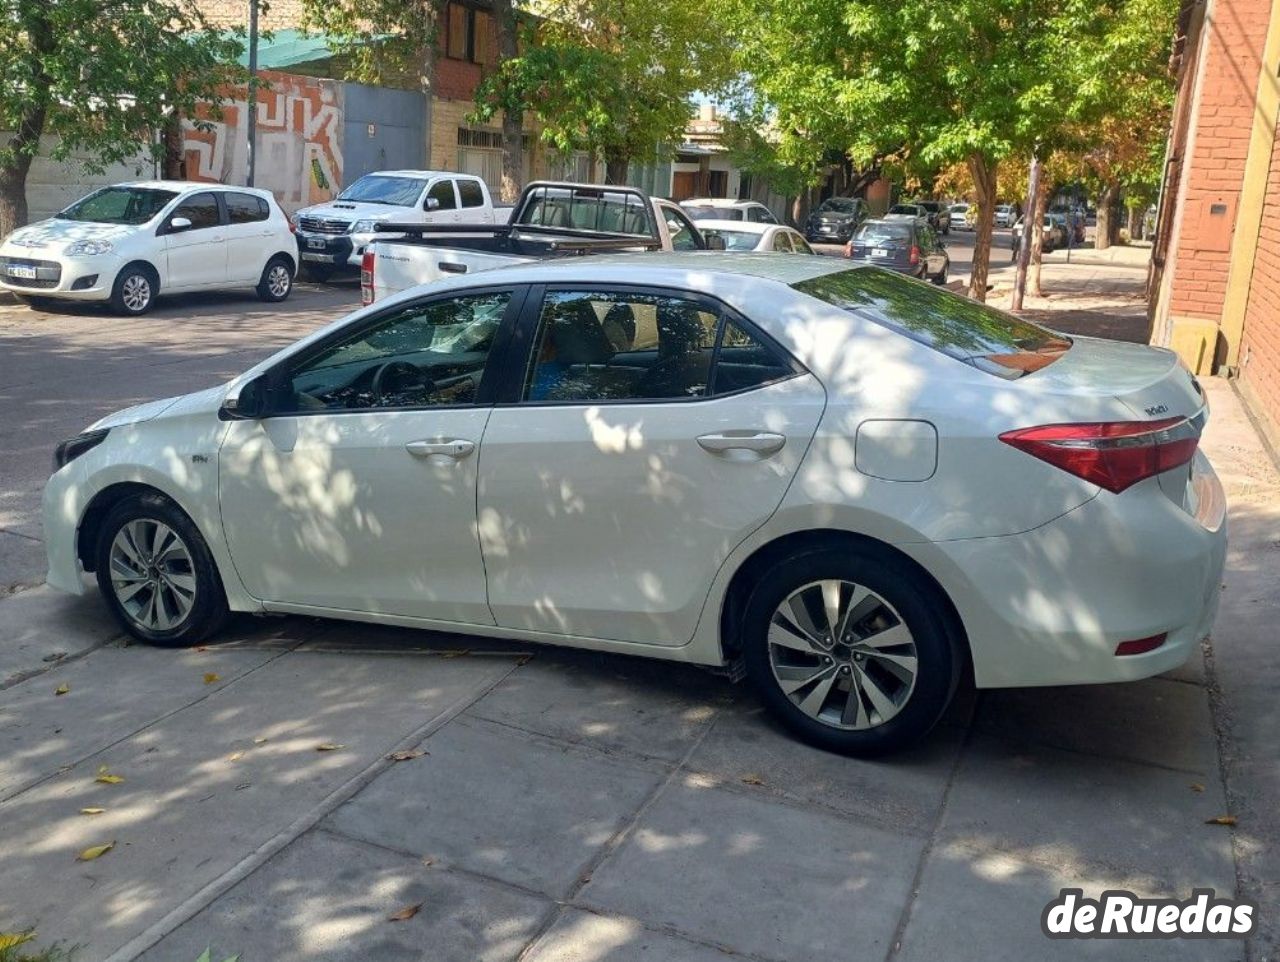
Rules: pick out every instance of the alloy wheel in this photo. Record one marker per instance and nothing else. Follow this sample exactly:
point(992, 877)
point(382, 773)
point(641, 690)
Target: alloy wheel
point(842, 654)
point(278, 280)
point(152, 574)
point(136, 292)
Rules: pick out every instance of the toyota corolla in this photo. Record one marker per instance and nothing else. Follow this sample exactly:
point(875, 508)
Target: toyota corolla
point(853, 485)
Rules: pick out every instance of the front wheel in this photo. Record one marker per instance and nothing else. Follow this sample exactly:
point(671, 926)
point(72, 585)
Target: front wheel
point(135, 289)
point(852, 649)
point(276, 282)
point(157, 574)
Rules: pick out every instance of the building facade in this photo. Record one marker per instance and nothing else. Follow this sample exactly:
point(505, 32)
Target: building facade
point(1216, 257)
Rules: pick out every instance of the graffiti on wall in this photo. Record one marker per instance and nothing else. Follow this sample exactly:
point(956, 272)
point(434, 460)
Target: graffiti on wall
point(299, 142)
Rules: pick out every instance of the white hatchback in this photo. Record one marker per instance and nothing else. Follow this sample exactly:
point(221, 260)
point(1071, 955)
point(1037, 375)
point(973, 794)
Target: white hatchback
point(127, 243)
point(848, 482)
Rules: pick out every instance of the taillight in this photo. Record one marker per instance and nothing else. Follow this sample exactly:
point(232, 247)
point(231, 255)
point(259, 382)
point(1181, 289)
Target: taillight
point(1114, 455)
point(366, 278)
point(914, 258)
point(848, 249)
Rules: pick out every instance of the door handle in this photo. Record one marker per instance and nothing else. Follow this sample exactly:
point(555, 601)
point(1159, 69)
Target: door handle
point(456, 448)
point(762, 443)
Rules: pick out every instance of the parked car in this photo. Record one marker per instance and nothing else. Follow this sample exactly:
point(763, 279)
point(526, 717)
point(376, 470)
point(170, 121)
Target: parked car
point(551, 220)
point(333, 236)
point(960, 217)
point(547, 452)
point(907, 212)
point(1052, 237)
point(724, 208)
point(128, 243)
point(1005, 215)
point(835, 219)
point(1071, 221)
point(745, 236)
point(938, 215)
point(906, 246)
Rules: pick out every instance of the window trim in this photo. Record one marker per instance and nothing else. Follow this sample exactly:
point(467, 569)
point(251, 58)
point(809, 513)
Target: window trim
point(490, 378)
point(519, 349)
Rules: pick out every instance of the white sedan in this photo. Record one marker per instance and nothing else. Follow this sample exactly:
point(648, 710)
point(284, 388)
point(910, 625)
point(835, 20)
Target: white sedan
point(850, 483)
point(741, 235)
point(128, 243)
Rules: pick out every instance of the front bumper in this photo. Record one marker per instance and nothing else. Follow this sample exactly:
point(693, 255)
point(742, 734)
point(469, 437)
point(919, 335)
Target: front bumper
point(1049, 606)
point(88, 278)
point(336, 250)
point(828, 232)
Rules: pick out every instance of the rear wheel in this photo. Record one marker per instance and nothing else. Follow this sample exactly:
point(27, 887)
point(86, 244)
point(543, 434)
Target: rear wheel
point(157, 574)
point(851, 648)
point(941, 277)
point(276, 282)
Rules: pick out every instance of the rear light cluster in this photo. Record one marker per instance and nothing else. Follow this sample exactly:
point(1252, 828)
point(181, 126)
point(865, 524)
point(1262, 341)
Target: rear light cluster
point(914, 257)
point(1115, 454)
point(366, 278)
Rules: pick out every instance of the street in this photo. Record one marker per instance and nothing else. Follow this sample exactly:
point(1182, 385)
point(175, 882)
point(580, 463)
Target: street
point(294, 785)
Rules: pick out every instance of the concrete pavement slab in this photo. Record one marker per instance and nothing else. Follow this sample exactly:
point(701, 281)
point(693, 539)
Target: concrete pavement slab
point(587, 937)
point(200, 796)
point(649, 708)
point(327, 899)
point(112, 694)
point(901, 793)
point(1089, 818)
point(22, 560)
point(501, 803)
point(752, 875)
point(40, 623)
point(1157, 721)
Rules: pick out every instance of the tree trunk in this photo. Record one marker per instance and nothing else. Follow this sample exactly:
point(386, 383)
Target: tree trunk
point(615, 168)
point(504, 20)
point(1036, 223)
point(983, 171)
point(1135, 223)
point(1104, 234)
point(13, 173)
point(429, 13)
point(174, 165)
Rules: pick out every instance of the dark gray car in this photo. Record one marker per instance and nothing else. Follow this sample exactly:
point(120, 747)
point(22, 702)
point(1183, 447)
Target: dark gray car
point(906, 246)
point(836, 219)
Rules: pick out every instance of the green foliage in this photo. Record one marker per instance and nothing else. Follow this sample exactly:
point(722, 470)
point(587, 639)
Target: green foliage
point(12, 949)
point(103, 75)
point(380, 41)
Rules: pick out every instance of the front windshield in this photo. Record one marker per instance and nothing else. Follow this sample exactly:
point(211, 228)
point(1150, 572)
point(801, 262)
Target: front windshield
point(381, 189)
point(841, 205)
point(119, 205)
point(908, 209)
point(737, 240)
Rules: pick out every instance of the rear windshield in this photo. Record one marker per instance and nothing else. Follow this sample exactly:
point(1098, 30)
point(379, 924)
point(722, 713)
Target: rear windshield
point(956, 326)
point(585, 208)
point(910, 209)
point(887, 233)
point(714, 213)
point(735, 240)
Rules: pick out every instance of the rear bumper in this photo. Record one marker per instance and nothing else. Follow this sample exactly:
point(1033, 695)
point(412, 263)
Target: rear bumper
point(1049, 606)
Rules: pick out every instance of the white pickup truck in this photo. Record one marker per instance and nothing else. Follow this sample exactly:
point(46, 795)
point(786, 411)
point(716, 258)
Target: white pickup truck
point(550, 220)
point(334, 235)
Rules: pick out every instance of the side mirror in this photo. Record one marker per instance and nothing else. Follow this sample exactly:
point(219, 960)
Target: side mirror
point(431, 203)
point(715, 242)
point(178, 224)
point(248, 402)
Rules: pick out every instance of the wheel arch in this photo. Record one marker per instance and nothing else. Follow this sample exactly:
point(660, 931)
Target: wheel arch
point(146, 265)
point(100, 505)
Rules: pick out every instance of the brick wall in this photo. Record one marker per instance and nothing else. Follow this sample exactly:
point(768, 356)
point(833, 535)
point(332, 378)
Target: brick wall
point(282, 14)
point(1220, 144)
point(1260, 346)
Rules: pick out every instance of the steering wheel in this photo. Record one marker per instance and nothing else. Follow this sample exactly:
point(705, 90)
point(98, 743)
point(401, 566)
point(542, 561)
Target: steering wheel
point(386, 376)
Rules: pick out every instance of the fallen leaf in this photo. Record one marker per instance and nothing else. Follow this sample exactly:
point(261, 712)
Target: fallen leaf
point(260, 740)
point(428, 861)
point(107, 778)
point(524, 660)
point(1197, 787)
point(89, 854)
point(62, 689)
point(406, 913)
point(329, 747)
point(243, 785)
point(1221, 820)
point(9, 940)
point(92, 811)
point(235, 756)
point(211, 677)
point(406, 756)
point(752, 780)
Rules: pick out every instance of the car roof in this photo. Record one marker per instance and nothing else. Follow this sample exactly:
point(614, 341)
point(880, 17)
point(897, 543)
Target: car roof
point(741, 226)
point(885, 222)
point(721, 202)
point(181, 186)
point(417, 173)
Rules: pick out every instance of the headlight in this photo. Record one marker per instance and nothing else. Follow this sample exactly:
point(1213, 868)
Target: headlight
point(89, 247)
point(363, 227)
point(72, 448)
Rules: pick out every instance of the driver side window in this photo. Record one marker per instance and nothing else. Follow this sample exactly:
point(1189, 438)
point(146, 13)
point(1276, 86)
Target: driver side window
point(425, 355)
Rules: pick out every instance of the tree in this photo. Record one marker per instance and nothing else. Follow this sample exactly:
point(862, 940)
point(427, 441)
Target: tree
point(613, 78)
point(102, 77)
point(378, 39)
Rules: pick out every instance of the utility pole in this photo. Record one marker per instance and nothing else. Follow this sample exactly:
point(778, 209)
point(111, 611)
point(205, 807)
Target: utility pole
point(251, 103)
point(1024, 244)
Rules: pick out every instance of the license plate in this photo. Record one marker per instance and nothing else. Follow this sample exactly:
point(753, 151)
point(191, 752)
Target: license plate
point(880, 252)
point(317, 243)
point(16, 270)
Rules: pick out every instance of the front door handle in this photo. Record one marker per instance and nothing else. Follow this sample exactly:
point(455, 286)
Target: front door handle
point(762, 443)
point(456, 448)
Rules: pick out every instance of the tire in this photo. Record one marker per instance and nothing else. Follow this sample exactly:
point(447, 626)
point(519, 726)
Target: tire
point(134, 292)
point(941, 277)
point(900, 600)
point(316, 273)
point(183, 585)
point(276, 283)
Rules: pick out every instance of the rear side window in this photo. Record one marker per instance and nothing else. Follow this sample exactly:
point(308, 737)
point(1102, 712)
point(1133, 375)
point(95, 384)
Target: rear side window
point(471, 194)
point(980, 336)
point(245, 208)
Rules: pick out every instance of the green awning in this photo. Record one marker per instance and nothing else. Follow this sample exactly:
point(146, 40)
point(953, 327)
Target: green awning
point(288, 48)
